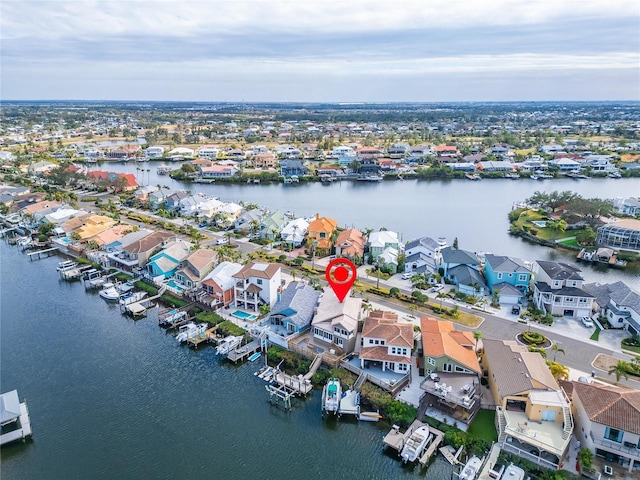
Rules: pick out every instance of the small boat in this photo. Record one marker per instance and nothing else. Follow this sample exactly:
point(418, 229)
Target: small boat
point(125, 287)
point(132, 297)
point(66, 265)
point(415, 444)
point(173, 317)
point(331, 394)
point(255, 356)
point(109, 292)
point(227, 344)
point(185, 331)
point(615, 175)
point(471, 468)
point(534, 177)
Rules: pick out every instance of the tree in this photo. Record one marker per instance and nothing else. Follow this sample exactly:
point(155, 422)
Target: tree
point(455, 243)
point(559, 371)
point(620, 370)
point(556, 349)
point(477, 335)
point(556, 226)
point(586, 237)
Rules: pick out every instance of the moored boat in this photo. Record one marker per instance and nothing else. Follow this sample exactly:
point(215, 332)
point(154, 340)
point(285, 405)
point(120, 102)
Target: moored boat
point(132, 297)
point(415, 444)
point(109, 292)
point(471, 468)
point(331, 394)
point(227, 344)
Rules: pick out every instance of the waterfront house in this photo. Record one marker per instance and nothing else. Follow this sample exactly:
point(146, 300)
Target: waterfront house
point(343, 151)
point(489, 166)
point(321, 230)
point(230, 211)
point(209, 207)
point(182, 152)
point(209, 152)
point(264, 161)
point(447, 358)
point(399, 150)
point(92, 226)
point(446, 151)
point(292, 313)
point(336, 323)
point(462, 166)
point(135, 250)
point(503, 272)
point(218, 171)
point(350, 244)
point(618, 303)
point(533, 414)
point(219, 285)
point(112, 235)
point(293, 233)
point(249, 221)
point(58, 216)
point(272, 224)
point(628, 206)
point(386, 343)
point(292, 167)
point(565, 165)
point(607, 422)
point(196, 266)
point(557, 289)
point(368, 153)
point(155, 151)
point(422, 255)
point(118, 182)
point(620, 235)
point(257, 284)
point(166, 262)
point(378, 242)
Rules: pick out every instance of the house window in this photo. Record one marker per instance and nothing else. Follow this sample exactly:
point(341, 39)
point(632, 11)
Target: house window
point(371, 341)
point(431, 361)
point(613, 434)
point(499, 276)
point(259, 281)
point(323, 235)
point(460, 369)
point(377, 342)
point(447, 367)
point(393, 350)
point(522, 277)
point(582, 300)
point(402, 366)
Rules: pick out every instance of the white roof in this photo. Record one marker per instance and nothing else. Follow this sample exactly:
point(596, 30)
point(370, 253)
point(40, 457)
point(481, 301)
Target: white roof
point(380, 239)
point(223, 274)
point(9, 406)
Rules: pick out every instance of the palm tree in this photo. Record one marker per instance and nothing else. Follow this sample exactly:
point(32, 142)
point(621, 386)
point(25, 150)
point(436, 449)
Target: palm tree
point(620, 370)
point(556, 349)
point(477, 335)
point(559, 371)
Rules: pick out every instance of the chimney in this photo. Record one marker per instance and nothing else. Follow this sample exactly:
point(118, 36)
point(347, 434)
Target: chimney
point(317, 216)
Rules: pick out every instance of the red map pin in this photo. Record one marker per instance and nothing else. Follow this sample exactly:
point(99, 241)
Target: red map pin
point(341, 273)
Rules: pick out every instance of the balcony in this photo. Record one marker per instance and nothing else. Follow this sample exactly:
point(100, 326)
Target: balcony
point(545, 436)
point(460, 390)
point(629, 450)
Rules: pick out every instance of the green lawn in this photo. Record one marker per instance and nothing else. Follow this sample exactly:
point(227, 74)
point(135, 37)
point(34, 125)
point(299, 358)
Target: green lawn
point(596, 334)
point(483, 426)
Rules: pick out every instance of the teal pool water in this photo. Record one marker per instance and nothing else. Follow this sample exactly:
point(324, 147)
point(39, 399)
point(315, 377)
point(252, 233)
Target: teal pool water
point(175, 286)
point(244, 315)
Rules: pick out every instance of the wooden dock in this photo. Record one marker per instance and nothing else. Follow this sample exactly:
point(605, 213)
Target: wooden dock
point(243, 352)
point(450, 454)
point(37, 253)
point(207, 337)
point(297, 384)
point(396, 439)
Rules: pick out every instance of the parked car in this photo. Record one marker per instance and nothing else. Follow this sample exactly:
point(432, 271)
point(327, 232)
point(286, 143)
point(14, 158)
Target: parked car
point(407, 276)
point(515, 310)
point(221, 241)
point(437, 287)
point(587, 322)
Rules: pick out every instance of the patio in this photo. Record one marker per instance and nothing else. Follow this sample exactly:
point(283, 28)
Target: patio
point(543, 436)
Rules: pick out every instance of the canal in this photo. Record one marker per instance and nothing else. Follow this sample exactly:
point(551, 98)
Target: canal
point(114, 398)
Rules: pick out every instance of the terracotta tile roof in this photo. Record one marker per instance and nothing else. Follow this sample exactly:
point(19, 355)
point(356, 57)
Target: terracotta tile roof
point(609, 405)
point(320, 225)
point(36, 207)
point(385, 325)
point(201, 258)
point(440, 339)
point(148, 243)
point(258, 270)
point(351, 242)
point(382, 353)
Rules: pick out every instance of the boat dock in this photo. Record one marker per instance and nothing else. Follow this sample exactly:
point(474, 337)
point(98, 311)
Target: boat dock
point(396, 439)
point(74, 273)
point(18, 424)
point(209, 336)
point(450, 454)
point(37, 253)
point(244, 351)
point(296, 383)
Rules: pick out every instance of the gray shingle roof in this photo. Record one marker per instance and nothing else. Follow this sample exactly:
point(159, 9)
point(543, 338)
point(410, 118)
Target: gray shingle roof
point(560, 271)
point(426, 242)
point(501, 263)
point(297, 303)
point(451, 255)
point(565, 291)
point(466, 275)
point(619, 292)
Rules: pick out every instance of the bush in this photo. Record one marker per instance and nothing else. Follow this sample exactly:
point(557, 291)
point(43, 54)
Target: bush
point(226, 328)
point(394, 291)
point(150, 289)
point(533, 338)
point(400, 413)
point(211, 318)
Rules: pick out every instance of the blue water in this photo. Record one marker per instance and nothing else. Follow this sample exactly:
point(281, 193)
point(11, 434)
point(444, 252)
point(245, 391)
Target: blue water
point(243, 315)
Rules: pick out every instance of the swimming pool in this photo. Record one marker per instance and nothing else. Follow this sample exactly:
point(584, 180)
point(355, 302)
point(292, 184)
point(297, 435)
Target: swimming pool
point(176, 286)
point(540, 223)
point(244, 315)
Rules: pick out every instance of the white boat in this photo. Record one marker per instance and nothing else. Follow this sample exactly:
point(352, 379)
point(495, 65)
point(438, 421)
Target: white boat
point(193, 332)
point(513, 472)
point(471, 469)
point(109, 292)
point(66, 265)
point(132, 297)
point(415, 444)
point(125, 287)
point(227, 344)
point(331, 394)
point(186, 331)
point(369, 416)
point(174, 317)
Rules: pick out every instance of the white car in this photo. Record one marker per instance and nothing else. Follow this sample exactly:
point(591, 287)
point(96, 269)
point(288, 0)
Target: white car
point(221, 241)
point(437, 287)
point(407, 276)
point(587, 322)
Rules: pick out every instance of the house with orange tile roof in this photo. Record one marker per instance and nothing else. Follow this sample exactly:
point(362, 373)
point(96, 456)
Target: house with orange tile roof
point(264, 160)
point(446, 151)
point(93, 225)
point(321, 230)
point(386, 342)
point(119, 181)
point(350, 244)
point(608, 422)
point(112, 234)
point(450, 364)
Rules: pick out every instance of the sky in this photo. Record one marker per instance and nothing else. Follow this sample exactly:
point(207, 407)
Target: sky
point(320, 50)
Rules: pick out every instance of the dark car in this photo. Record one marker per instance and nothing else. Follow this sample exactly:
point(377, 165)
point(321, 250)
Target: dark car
point(515, 310)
